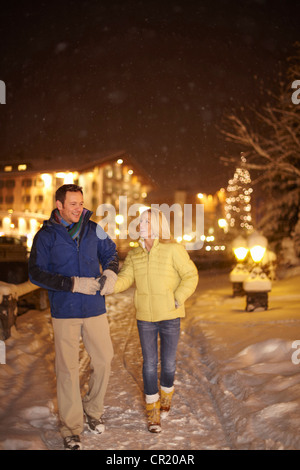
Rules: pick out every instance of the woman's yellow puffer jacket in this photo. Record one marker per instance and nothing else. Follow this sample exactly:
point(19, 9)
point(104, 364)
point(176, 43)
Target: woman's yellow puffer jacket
point(162, 276)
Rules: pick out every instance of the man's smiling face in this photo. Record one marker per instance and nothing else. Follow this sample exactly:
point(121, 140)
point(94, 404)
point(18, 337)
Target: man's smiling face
point(72, 208)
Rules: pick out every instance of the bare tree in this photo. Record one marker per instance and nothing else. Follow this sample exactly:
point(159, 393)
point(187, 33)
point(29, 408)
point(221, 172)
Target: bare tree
point(270, 140)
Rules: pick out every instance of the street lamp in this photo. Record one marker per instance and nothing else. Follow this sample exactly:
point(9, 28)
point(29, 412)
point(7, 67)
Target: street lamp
point(257, 284)
point(240, 271)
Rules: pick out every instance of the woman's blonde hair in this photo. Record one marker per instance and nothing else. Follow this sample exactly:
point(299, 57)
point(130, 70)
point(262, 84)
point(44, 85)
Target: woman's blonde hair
point(159, 225)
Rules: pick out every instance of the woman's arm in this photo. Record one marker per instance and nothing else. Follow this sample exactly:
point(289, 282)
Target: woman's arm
point(188, 273)
point(125, 276)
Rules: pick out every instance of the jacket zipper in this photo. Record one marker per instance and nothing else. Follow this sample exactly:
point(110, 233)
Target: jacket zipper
point(148, 278)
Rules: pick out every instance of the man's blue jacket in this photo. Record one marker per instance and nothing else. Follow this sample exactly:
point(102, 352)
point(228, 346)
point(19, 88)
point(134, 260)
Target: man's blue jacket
point(55, 258)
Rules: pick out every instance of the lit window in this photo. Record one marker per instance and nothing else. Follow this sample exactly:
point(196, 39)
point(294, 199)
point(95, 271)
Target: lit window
point(22, 167)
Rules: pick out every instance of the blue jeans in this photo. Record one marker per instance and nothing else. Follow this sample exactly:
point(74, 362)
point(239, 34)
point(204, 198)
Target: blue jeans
point(168, 331)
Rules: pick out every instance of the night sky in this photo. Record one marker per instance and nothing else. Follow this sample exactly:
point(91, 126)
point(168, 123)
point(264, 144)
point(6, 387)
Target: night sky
point(153, 78)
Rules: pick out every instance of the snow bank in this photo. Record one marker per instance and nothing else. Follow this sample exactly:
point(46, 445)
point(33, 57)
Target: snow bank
point(271, 350)
point(264, 384)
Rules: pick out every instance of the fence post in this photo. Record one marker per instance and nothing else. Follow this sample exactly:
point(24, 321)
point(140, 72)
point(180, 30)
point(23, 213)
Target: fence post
point(8, 312)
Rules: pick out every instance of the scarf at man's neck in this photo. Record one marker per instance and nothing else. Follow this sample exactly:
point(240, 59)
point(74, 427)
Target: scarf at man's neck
point(73, 229)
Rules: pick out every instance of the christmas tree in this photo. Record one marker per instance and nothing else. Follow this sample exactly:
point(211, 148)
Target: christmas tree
point(238, 206)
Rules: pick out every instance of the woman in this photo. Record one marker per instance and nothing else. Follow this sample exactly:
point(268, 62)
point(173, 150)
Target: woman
point(165, 277)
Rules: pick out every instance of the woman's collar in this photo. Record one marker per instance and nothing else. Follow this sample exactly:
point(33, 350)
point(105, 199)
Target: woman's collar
point(143, 244)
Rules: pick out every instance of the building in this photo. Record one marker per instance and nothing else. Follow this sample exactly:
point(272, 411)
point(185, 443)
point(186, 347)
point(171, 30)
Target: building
point(27, 189)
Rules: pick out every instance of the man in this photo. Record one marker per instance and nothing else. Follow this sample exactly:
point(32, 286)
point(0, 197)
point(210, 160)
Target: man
point(65, 259)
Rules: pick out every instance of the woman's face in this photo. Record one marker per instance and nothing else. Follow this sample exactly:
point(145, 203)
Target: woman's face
point(145, 225)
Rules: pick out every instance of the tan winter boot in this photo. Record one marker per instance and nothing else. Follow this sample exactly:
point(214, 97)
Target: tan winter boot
point(165, 401)
point(153, 412)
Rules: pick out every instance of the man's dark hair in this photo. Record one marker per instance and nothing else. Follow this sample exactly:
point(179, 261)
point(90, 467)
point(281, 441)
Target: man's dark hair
point(60, 194)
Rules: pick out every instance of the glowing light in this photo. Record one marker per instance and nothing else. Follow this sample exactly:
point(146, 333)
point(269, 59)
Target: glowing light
point(240, 253)
point(257, 244)
point(238, 200)
point(240, 248)
point(257, 253)
point(119, 161)
point(69, 178)
point(6, 223)
point(29, 240)
point(47, 178)
point(143, 209)
point(222, 223)
point(22, 167)
point(119, 219)
point(22, 225)
point(33, 225)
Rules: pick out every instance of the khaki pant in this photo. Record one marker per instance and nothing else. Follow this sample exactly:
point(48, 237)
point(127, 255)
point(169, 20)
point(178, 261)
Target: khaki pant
point(96, 339)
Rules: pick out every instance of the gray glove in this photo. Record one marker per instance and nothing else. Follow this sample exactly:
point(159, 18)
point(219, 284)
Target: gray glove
point(85, 285)
point(107, 282)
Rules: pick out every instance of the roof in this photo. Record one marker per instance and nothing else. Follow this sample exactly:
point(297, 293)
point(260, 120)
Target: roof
point(74, 162)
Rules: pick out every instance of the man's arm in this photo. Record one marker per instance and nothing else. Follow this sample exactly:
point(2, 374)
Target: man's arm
point(108, 257)
point(39, 273)
point(107, 254)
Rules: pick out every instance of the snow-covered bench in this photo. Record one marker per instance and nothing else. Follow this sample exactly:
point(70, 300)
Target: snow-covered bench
point(9, 296)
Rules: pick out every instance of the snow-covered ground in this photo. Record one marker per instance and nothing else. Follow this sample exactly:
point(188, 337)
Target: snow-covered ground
point(237, 381)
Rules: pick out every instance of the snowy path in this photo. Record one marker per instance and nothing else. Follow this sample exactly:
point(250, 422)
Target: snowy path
point(193, 423)
point(236, 386)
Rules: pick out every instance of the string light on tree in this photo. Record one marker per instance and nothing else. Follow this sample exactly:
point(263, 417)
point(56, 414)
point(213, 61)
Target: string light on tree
point(238, 201)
